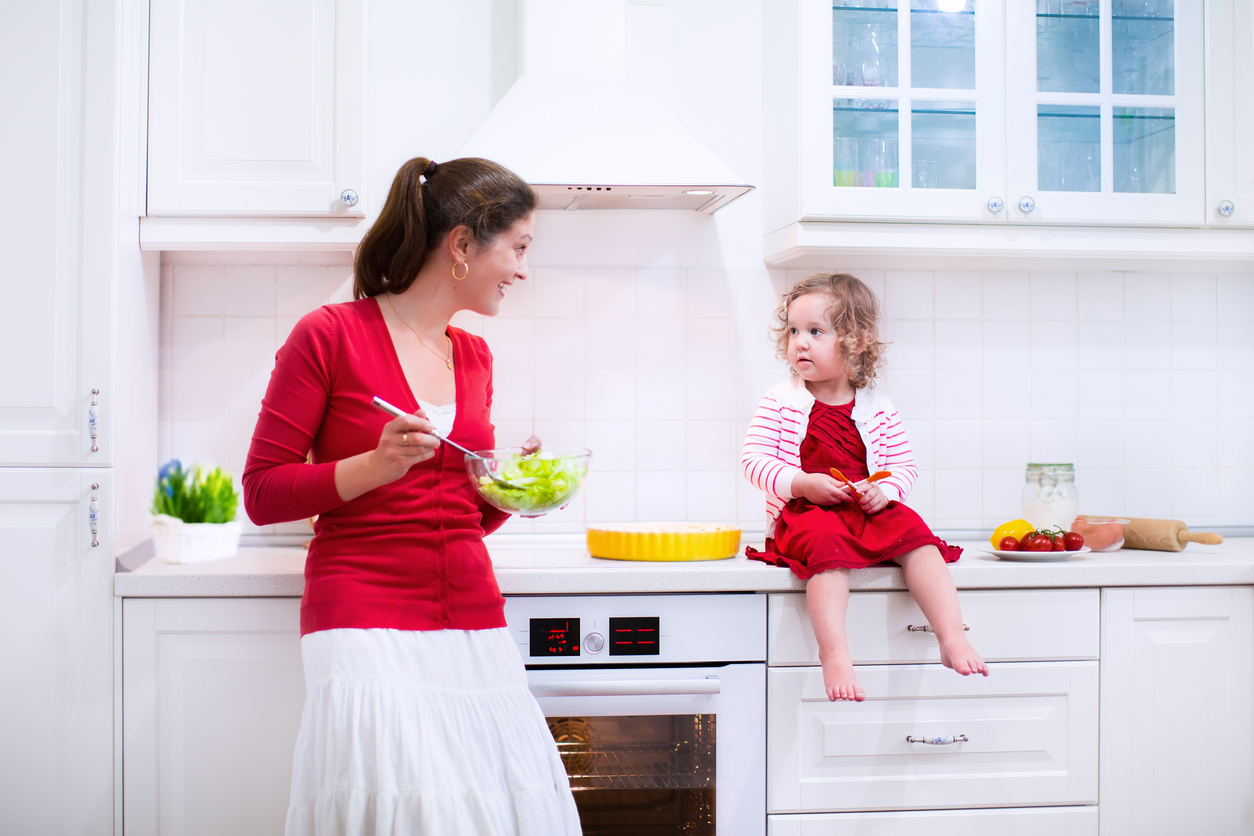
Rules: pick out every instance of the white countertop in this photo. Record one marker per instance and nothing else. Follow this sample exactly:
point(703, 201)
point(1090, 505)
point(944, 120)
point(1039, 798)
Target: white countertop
point(561, 565)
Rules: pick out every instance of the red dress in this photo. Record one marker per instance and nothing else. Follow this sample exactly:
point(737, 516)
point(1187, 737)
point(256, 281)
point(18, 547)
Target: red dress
point(812, 538)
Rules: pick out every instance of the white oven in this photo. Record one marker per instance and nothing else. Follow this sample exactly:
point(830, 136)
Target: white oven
point(658, 706)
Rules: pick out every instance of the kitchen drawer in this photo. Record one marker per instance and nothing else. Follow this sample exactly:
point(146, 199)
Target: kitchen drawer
point(1029, 821)
point(1005, 625)
point(1031, 731)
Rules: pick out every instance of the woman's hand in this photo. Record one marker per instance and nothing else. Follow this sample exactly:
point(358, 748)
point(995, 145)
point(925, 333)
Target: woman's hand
point(531, 446)
point(820, 489)
point(873, 499)
point(403, 443)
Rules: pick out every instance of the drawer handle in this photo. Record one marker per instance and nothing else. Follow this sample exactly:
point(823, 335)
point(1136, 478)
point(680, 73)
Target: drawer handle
point(926, 628)
point(938, 741)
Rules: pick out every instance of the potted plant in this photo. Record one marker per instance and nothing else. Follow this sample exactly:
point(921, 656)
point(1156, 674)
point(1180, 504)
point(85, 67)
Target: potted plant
point(194, 514)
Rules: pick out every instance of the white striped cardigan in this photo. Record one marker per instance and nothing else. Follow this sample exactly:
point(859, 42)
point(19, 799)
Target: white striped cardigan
point(771, 456)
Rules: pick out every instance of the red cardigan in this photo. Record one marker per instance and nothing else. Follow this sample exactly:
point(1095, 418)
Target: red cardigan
point(407, 555)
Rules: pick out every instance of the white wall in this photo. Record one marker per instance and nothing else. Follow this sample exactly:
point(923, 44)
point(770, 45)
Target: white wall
point(643, 335)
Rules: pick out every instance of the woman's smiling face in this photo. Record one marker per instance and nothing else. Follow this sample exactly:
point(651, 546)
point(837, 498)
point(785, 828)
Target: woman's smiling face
point(492, 269)
point(813, 350)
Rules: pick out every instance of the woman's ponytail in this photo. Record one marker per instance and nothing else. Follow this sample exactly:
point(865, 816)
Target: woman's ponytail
point(392, 250)
point(481, 195)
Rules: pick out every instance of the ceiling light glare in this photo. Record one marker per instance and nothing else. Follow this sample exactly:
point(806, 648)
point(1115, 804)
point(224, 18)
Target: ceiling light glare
point(698, 191)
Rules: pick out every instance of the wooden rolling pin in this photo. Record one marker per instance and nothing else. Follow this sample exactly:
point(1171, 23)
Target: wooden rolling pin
point(1161, 535)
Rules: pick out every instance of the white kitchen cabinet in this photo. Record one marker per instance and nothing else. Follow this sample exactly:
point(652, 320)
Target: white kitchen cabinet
point(213, 691)
point(1229, 113)
point(1104, 114)
point(56, 319)
point(256, 108)
point(56, 654)
point(1177, 711)
point(888, 627)
point(1032, 111)
point(1026, 821)
point(1025, 735)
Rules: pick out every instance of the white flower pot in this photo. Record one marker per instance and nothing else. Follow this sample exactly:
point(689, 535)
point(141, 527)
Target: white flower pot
point(180, 542)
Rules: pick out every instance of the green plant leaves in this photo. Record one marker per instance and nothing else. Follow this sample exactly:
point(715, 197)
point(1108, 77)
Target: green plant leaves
point(195, 495)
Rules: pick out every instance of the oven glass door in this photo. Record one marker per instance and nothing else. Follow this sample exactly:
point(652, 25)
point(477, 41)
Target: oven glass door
point(661, 751)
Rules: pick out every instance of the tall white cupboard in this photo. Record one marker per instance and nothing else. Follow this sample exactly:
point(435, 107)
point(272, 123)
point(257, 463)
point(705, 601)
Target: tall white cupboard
point(64, 238)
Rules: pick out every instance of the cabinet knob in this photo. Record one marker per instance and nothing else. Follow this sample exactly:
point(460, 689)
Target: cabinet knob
point(1026, 205)
point(995, 205)
point(1226, 208)
point(348, 197)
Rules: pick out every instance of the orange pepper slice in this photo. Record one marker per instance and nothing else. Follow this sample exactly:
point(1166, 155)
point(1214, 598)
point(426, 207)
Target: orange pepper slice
point(878, 475)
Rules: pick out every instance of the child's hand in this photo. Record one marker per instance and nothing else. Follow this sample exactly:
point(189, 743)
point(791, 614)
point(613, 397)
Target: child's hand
point(873, 500)
point(820, 489)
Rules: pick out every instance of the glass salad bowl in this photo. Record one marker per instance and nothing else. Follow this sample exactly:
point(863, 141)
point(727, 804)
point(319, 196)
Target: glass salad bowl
point(529, 485)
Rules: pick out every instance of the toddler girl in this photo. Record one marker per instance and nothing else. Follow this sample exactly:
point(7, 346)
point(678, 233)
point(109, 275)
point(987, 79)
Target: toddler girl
point(825, 417)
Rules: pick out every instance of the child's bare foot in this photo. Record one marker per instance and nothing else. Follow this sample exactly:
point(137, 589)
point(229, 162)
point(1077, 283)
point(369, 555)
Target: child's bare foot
point(957, 653)
point(839, 680)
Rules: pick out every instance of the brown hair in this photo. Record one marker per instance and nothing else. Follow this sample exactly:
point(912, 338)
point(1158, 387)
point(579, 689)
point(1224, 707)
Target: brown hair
point(854, 316)
point(479, 194)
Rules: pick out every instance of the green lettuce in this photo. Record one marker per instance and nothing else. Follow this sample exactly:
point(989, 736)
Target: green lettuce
point(545, 483)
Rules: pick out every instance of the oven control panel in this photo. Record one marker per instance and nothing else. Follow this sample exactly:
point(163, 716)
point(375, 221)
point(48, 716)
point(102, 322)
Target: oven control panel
point(626, 629)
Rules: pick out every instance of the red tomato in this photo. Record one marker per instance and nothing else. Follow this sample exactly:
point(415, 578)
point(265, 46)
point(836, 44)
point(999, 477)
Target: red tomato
point(1058, 543)
point(1025, 539)
point(1039, 543)
point(1074, 541)
point(1008, 544)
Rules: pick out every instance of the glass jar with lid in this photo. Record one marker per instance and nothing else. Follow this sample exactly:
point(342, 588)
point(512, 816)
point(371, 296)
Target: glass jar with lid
point(1049, 495)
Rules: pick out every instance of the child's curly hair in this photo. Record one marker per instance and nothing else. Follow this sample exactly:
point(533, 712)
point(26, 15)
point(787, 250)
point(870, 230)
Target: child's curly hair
point(854, 316)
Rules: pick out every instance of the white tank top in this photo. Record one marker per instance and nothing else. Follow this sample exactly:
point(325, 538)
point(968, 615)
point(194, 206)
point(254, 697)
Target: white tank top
point(442, 416)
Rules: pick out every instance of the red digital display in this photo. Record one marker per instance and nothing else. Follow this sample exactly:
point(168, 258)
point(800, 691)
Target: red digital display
point(634, 636)
point(554, 637)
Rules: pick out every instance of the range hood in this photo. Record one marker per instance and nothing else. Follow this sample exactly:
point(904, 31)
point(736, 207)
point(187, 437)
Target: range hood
point(582, 133)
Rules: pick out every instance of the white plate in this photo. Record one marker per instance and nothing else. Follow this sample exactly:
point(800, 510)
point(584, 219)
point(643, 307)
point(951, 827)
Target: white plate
point(1037, 557)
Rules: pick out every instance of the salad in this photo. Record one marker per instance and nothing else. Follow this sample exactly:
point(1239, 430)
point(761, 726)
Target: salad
point(543, 483)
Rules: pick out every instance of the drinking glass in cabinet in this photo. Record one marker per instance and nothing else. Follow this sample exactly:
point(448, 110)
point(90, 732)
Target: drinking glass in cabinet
point(1068, 46)
point(1068, 148)
point(944, 133)
point(864, 43)
point(864, 143)
point(1143, 47)
point(942, 44)
point(1145, 149)
point(923, 174)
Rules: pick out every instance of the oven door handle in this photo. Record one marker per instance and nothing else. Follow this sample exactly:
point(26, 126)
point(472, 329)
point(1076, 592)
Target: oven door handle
point(625, 687)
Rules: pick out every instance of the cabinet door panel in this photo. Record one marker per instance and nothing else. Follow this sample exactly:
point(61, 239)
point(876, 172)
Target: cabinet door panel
point(1005, 625)
point(56, 726)
point(1177, 717)
point(1031, 732)
point(1039, 821)
point(1089, 136)
point(255, 108)
point(55, 317)
point(212, 703)
point(1229, 112)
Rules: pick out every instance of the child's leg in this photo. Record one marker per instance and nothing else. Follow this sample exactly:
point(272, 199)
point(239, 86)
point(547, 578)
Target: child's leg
point(827, 598)
point(933, 589)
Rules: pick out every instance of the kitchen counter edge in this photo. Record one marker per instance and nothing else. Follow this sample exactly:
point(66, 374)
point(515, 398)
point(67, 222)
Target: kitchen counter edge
point(565, 569)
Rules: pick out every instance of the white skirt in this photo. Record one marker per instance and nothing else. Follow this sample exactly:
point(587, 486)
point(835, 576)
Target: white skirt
point(424, 732)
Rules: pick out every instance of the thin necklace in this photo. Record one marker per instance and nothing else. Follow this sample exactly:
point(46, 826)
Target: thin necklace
point(448, 361)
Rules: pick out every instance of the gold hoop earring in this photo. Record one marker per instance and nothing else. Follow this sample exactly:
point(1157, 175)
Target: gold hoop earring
point(463, 275)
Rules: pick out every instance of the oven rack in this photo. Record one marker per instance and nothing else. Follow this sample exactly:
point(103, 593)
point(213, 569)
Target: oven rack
point(668, 766)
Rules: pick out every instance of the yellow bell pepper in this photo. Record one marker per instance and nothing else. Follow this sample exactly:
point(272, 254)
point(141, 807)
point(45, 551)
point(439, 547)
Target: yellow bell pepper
point(1014, 528)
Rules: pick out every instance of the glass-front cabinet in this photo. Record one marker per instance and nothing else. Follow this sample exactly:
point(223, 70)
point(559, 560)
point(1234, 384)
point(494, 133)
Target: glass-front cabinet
point(1104, 111)
point(907, 119)
point(1054, 111)
point(1229, 113)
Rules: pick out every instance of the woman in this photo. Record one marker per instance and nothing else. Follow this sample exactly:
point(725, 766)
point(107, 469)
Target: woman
point(417, 716)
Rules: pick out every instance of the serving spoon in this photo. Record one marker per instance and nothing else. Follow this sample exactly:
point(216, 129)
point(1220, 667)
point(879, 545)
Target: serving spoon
point(396, 412)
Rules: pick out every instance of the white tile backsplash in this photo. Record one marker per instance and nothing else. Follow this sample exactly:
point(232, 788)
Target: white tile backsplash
point(658, 371)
